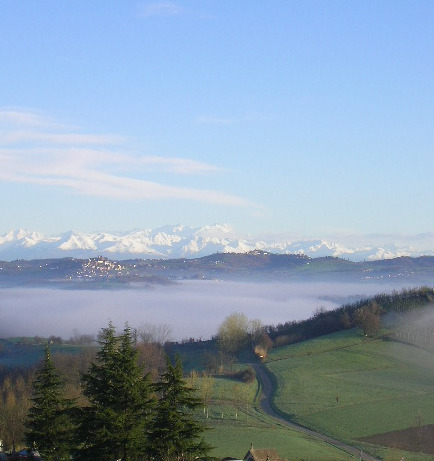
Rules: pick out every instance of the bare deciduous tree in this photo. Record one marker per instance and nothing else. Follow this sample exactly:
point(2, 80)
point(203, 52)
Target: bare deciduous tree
point(151, 333)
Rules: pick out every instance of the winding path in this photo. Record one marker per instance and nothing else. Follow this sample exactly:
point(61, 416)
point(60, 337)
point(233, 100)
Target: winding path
point(265, 401)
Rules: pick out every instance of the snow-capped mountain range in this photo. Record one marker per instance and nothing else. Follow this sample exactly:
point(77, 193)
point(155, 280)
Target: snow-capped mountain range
point(184, 242)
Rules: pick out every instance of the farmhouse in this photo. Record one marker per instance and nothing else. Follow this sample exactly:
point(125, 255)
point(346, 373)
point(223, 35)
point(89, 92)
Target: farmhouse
point(262, 454)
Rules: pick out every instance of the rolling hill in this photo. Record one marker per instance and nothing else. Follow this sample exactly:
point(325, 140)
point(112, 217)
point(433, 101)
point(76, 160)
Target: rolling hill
point(355, 389)
point(256, 265)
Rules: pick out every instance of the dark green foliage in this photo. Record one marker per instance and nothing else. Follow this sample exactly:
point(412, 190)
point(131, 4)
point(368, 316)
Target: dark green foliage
point(121, 419)
point(175, 433)
point(114, 424)
point(248, 375)
point(347, 316)
point(48, 425)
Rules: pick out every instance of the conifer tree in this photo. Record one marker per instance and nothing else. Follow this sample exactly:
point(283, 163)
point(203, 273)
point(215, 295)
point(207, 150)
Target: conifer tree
point(48, 425)
point(113, 426)
point(175, 433)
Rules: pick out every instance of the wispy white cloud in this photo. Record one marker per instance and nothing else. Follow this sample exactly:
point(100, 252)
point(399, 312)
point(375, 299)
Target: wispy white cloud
point(35, 150)
point(28, 118)
point(161, 9)
point(179, 165)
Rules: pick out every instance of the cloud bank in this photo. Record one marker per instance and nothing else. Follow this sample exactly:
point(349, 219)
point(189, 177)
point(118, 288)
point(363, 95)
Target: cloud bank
point(191, 308)
point(37, 150)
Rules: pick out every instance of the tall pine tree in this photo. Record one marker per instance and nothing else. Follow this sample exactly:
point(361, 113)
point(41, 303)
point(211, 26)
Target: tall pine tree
point(114, 425)
point(48, 424)
point(176, 434)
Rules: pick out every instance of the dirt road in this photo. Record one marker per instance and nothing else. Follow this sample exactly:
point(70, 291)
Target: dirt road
point(267, 392)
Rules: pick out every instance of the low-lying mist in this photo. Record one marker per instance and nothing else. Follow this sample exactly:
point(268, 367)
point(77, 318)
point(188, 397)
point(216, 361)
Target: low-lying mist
point(191, 308)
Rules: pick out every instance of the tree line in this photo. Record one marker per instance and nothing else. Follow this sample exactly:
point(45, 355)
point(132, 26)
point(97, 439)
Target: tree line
point(124, 415)
point(365, 314)
point(237, 333)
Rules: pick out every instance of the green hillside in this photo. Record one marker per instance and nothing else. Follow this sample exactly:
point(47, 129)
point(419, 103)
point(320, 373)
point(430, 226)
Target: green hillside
point(235, 421)
point(350, 387)
point(233, 438)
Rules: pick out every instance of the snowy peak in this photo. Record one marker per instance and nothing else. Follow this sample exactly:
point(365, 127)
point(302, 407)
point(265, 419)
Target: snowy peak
point(187, 242)
point(78, 242)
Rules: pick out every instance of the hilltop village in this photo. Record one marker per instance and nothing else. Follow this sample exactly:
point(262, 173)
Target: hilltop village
point(253, 266)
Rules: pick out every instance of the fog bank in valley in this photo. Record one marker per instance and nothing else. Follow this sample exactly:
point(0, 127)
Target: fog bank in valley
point(191, 308)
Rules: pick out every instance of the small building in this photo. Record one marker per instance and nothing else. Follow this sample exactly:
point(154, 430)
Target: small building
point(262, 454)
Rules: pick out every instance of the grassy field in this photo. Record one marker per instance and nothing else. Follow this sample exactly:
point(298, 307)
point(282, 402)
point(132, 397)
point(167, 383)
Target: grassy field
point(350, 387)
point(235, 422)
point(232, 438)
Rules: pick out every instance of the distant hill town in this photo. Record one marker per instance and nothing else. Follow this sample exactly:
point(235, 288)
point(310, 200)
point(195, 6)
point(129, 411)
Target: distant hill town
point(256, 265)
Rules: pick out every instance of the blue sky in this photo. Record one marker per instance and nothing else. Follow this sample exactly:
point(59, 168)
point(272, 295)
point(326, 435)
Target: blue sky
point(301, 117)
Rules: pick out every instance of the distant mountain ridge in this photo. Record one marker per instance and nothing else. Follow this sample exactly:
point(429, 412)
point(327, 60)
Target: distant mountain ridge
point(170, 242)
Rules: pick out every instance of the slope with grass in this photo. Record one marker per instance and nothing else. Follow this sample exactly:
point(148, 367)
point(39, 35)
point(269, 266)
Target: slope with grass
point(351, 387)
point(235, 421)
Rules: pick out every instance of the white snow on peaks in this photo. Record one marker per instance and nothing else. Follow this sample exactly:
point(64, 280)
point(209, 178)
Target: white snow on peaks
point(382, 253)
point(25, 238)
point(163, 239)
point(8, 237)
point(78, 242)
point(183, 241)
point(240, 246)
